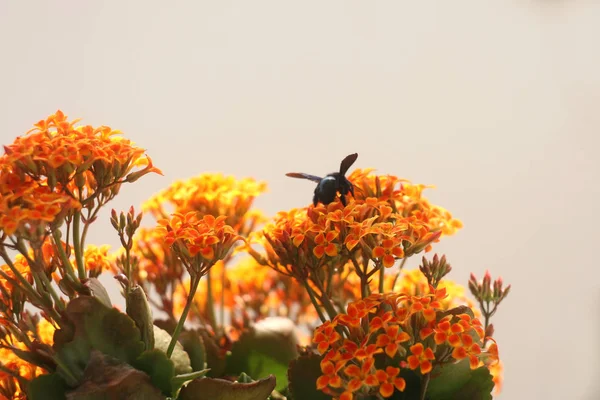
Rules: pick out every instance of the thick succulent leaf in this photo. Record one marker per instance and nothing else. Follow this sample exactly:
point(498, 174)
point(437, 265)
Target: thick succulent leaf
point(266, 349)
point(47, 387)
point(93, 325)
point(220, 389)
point(109, 378)
point(138, 308)
point(193, 344)
point(215, 359)
point(181, 360)
point(74, 356)
point(160, 369)
point(113, 333)
point(302, 376)
point(453, 381)
point(98, 290)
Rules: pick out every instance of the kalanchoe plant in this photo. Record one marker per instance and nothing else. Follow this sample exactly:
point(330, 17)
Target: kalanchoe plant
point(315, 304)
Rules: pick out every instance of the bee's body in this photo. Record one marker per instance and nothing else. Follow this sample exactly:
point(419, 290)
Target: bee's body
point(332, 184)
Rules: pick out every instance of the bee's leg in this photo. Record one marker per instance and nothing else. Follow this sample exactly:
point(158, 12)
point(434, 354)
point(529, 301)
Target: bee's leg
point(315, 200)
point(343, 199)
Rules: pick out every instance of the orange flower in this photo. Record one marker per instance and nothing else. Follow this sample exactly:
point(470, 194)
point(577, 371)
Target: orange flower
point(388, 252)
point(84, 160)
point(448, 332)
point(324, 244)
point(358, 231)
point(467, 348)
point(199, 242)
point(391, 339)
point(497, 376)
point(325, 336)
point(212, 194)
point(27, 206)
point(383, 321)
point(45, 331)
point(330, 375)
point(96, 259)
point(425, 305)
point(469, 323)
point(9, 386)
point(421, 358)
point(363, 375)
point(356, 311)
point(389, 379)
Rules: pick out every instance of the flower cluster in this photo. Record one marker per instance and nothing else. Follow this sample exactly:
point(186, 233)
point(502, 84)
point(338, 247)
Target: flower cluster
point(87, 163)
point(212, 194)
point(199, 243)
point(375, 345)
point(328, 268)
point(405, 198)
point(53, 182)
point(29, 207)
point(250, 292)
point(15, 372)
point(325, 245)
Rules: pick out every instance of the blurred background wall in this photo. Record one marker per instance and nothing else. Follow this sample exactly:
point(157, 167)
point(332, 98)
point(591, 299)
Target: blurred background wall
point(496, 103)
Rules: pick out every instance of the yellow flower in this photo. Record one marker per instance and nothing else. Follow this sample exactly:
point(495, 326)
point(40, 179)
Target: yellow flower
point(96, 259)
point(211, 194)
point(84, 159)
point(9, 386)
point(45, 331)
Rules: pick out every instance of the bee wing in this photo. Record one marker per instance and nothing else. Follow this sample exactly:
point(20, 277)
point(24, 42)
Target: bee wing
point(347, 163)
point(302, 175)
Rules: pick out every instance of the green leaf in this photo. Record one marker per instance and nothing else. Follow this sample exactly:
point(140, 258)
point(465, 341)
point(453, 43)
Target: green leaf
point(109, 378)
point(413, 386)
point(114, 334)
point(220, 389)
point(459, 381)
point(161, 370)
point(244, 378)
point(181, 359)
point(193, 344)
point(47, 387)
point(73, 356)
point(215, 360)
point(266, 349)
point(93, 325)
point(98, 290)
point(302, 375)
point(180, 380)
point(138, 308)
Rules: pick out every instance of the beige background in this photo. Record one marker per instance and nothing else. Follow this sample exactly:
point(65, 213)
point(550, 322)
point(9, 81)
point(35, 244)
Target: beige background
point(494, 102)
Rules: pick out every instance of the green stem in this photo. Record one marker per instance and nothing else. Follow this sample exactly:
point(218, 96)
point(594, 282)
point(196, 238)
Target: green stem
point(326, 301)
point(210, 305)
point(424, 384)
point(48, 286)
point(65, 369)
point(22, 282)
point(381, 278)
point(398, 274)
point(91, 216)
point(63, 256)
point(222, 310)
point(314, 301)
point(77, 245)
point(181, 322)
point(363, 277)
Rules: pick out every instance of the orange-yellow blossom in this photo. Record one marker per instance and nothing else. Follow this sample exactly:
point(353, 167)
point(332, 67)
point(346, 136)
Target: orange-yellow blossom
point(389, 379)
point(421, 358)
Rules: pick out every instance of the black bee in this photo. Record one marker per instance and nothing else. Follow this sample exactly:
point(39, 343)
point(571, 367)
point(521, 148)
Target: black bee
point(334, 183)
